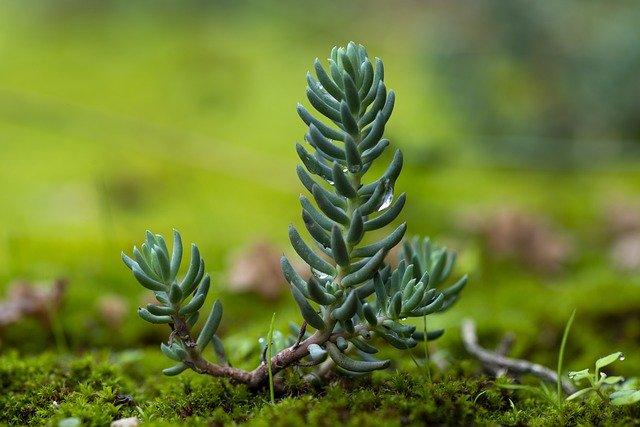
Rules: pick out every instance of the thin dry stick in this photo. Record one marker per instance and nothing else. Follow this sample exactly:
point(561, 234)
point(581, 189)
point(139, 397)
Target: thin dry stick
point(516, 366)
point(503, 348)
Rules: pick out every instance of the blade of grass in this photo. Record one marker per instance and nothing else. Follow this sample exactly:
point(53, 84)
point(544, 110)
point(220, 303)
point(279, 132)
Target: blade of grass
point(58, 331)
point(426, 347)
point(269, 342)
point(563, 344)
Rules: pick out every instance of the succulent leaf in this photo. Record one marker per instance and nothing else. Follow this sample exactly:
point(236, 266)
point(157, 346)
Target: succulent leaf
point(350, 364)
point(211, 325)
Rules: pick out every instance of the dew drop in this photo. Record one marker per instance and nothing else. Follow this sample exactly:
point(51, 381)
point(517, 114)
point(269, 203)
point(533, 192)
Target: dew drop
point(621, 357)
point(403, 319)
point(320, 275)
point(387, 198)
point(571, 375)
point(329, 181)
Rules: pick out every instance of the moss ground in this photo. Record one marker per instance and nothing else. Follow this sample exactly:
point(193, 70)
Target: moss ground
point(47, 389)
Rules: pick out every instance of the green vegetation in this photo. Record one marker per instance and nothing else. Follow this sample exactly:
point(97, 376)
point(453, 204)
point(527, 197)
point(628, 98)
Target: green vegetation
point(599, 382)
point(117, 116)
point(361, 297)
point(45, 389)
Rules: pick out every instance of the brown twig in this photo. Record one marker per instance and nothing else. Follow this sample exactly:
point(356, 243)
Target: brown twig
point(303, 330)
point(255, 378)
point(260, 375)
point(504, 346)
point(494, 360)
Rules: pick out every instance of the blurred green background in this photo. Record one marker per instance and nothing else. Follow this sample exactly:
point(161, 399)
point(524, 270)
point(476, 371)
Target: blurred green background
point(117, 117)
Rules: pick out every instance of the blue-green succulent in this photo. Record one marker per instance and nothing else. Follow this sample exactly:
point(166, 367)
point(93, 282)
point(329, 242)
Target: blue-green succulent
point(352, 297)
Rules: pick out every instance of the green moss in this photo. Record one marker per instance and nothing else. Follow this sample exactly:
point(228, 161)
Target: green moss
point(45, 389)
point(42, 389)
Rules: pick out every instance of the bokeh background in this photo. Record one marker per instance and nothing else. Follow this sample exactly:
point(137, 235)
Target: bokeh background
point(520, 124)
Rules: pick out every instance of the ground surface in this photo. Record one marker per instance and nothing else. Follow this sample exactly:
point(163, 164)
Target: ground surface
point(48, 390)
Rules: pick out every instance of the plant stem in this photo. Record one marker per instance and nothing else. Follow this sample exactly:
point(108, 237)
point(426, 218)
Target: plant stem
point(265, 371)
point(563, 344)
point(426, 348)
point(269, 343)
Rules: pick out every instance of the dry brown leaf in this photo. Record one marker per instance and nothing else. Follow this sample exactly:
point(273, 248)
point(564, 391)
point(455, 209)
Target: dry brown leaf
point(622, 218)
point(257, 269)
point(113, 309)
point(25, 299)
point(522, 236)
point(623, 225)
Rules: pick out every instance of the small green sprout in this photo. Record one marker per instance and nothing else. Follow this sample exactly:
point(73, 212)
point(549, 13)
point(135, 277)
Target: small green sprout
point(599, 380)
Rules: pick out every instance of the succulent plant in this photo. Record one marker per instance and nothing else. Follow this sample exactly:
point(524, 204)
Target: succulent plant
point(354, 299)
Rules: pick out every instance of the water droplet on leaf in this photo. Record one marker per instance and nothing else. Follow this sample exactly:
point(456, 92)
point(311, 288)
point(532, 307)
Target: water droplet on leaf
point(621, 357)
point(320, 275)
point(387, 198)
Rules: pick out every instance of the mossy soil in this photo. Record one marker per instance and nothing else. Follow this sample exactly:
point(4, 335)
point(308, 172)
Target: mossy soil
point(101, 387)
